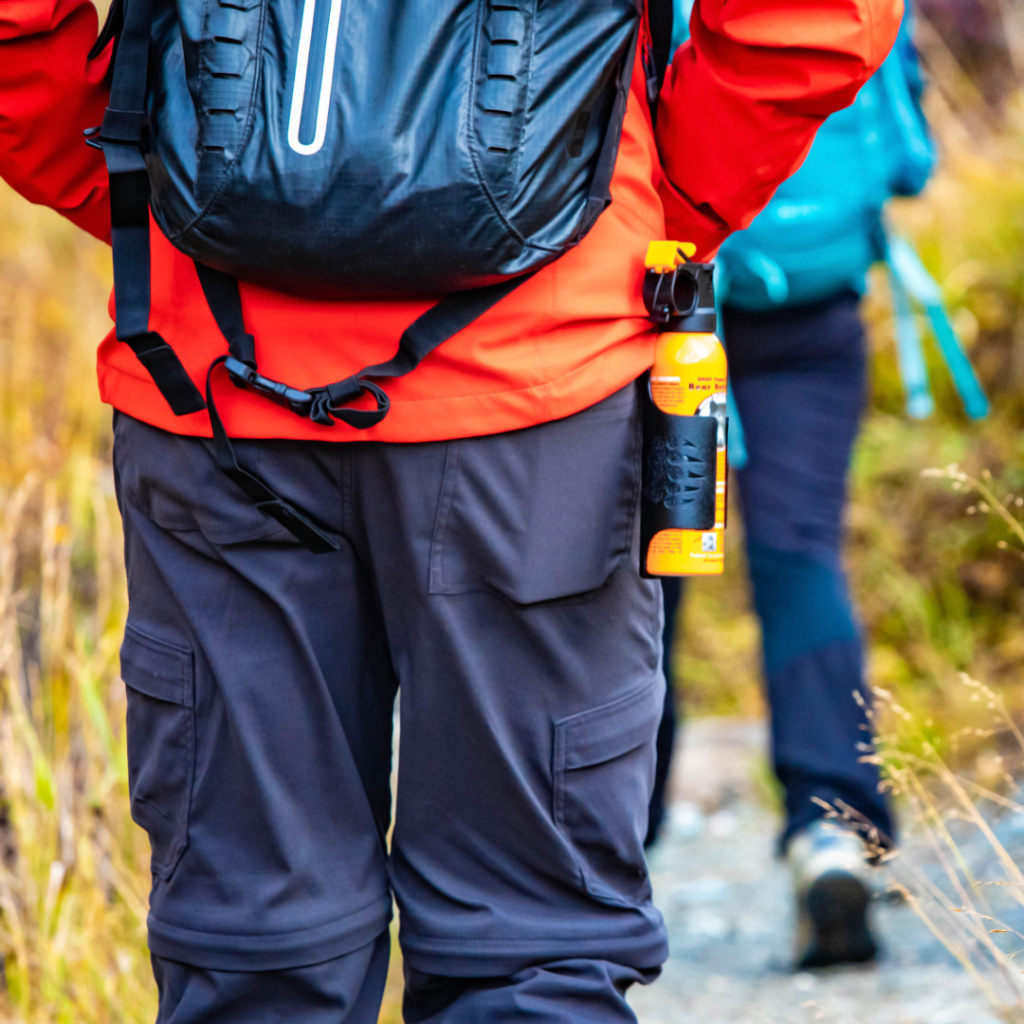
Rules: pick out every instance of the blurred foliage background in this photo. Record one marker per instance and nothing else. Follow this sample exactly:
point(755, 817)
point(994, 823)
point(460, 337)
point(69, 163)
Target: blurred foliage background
point(937, 594)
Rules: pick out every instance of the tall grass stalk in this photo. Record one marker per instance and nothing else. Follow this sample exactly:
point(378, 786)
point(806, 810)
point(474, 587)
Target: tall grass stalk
point(956, 814)
point(950, 817)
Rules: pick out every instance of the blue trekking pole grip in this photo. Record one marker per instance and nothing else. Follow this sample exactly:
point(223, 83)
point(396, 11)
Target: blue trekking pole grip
point(913, 279)
point(910, 353)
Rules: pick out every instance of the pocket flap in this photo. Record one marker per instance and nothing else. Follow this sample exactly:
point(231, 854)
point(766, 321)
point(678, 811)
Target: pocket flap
point(157, 668)
point(610, 731)
point(544, 514)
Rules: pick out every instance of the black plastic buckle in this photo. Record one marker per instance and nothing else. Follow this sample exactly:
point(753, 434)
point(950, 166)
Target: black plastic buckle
point(299, 402)
point(120, 127)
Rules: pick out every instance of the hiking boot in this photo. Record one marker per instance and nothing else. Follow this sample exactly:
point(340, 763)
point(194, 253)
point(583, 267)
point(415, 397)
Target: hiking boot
point(831, 880)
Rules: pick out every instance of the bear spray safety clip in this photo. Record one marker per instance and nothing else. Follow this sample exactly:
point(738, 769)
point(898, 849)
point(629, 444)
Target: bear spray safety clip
point(683, 499)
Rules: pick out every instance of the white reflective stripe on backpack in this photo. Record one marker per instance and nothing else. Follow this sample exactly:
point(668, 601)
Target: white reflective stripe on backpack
point(326, 78)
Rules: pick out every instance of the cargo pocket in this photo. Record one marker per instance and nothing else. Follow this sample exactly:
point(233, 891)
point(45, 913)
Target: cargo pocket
point(603, 776)
point(161, 742)
point(543, 514)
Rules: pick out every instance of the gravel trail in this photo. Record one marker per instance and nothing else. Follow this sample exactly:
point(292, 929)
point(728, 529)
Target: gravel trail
point(728, 907)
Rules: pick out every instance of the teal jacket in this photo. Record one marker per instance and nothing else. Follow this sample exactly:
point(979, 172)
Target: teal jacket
point(823, 228)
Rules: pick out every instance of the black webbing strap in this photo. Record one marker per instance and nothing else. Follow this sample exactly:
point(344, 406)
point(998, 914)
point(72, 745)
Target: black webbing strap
point(600, 194)
point(111, 30)
point(221, 291)
point(452, 314)
point(660, 18)
point(120, 138)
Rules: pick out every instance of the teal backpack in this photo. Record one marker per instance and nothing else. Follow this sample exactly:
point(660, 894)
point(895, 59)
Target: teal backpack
point(822, 230)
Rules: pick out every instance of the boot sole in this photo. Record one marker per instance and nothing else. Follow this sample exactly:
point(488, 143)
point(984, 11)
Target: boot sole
point(837, 904)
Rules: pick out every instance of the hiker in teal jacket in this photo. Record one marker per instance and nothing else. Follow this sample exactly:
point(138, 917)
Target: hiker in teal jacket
point(790, 287)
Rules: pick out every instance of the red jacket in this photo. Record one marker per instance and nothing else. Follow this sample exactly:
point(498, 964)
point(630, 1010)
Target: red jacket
point(737, 114)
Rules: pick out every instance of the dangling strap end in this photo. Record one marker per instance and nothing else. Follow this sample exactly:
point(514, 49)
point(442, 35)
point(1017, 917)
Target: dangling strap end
point(298, 524)
point(302, 529)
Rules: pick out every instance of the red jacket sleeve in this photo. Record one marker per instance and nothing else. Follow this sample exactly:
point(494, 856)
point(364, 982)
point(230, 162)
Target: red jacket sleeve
point(50, 93)
point(744, 97)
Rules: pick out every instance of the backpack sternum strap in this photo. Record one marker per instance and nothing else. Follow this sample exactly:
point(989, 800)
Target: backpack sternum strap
point(322, 405)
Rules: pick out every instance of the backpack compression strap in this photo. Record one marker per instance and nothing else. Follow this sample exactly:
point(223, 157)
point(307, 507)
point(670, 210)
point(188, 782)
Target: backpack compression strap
point(120, 139)
point(322, 405)
point(660, 18)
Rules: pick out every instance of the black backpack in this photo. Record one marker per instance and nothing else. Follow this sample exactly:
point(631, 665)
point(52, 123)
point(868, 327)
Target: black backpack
point(336, 148)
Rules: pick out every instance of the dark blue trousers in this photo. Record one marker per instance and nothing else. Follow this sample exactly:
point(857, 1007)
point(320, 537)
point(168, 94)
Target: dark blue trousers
point(799, 381)
point(495, 582)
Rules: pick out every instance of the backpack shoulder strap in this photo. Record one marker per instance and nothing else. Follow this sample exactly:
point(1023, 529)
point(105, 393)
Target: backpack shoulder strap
point(910, 280)
point(111, 30)
point(660, 17)
point(120, 138)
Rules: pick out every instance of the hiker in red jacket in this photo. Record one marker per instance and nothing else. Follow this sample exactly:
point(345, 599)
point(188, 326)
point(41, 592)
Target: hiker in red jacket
point(443, 209)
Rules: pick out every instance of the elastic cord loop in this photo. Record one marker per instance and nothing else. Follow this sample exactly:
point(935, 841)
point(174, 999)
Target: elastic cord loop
point(327, 403)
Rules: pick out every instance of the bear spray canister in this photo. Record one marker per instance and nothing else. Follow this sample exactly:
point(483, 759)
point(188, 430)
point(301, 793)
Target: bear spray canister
point(683, 500)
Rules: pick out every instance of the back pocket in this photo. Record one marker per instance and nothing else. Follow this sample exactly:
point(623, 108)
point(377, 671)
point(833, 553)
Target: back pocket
point(541, 514)
point(160, 684)
point(603, 775)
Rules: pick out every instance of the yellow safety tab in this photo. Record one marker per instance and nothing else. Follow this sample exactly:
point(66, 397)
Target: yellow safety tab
point(664, 256)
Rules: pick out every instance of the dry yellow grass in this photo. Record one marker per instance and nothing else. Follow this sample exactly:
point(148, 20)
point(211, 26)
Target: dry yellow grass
point(74, 868)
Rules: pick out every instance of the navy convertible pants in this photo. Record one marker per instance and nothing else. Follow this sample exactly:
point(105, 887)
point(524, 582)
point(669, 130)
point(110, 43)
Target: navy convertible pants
point(494, 582)
point(798, 376)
